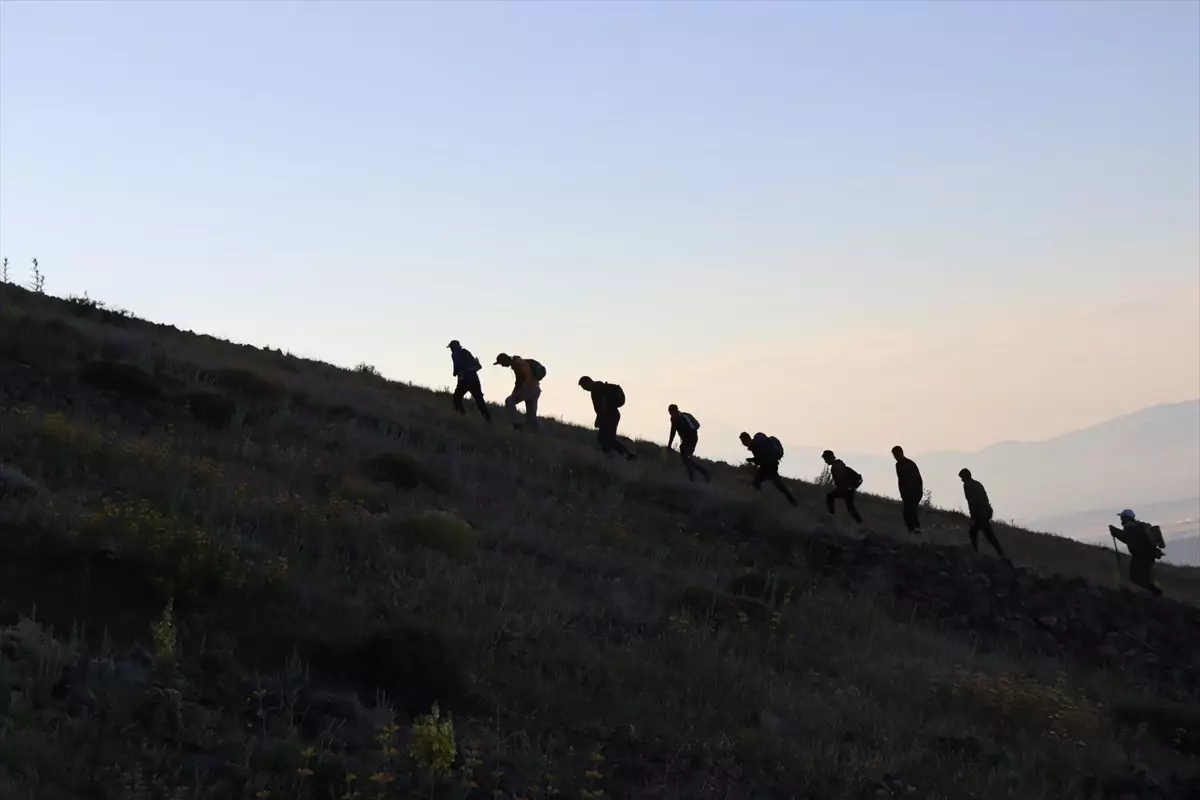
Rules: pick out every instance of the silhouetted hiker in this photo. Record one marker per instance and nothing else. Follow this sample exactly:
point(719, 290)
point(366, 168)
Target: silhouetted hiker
point(845, 484)
point(767, 452)
point(979, 508)
point(688, 428)
point(912, 489)
point(526, 389)
point(1145, 543)
point(607, 399)
point(466, 369)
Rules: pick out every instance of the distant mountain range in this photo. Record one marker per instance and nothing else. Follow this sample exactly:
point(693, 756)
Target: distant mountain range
point(1148, 457)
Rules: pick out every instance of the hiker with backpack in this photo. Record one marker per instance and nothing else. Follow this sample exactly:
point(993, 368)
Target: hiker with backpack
point(688, 428)
point(845, 485)
point(912, 489)
point(767, 452)
point(466, 369)
point(1145, 543)
point(979, 508)
point(527, 388)
point(607, 399)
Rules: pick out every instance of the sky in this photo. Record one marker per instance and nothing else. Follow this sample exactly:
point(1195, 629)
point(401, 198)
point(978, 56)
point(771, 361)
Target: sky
point(950, 223)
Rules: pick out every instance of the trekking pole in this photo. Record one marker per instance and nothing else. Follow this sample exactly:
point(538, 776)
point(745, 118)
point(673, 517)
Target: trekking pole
point(1116, 553)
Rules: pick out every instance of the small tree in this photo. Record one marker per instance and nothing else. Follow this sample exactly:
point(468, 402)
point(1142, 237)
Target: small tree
point(826, 477)
point(927, 499)
point(38, 284)
point(4, 271)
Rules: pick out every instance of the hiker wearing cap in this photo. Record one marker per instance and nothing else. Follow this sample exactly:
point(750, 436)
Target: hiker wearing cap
point(766, 453)
point(607, 399)
point(845, 485)
point(979, 508)
point(912, 489)
point(1145, 543)
point(466, 369)
point(688, 428)
point(527, 388)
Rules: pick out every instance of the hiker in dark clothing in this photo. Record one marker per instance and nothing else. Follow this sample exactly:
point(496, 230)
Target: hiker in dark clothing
point(766, 452)
point(466, 369)
point(688, 428)
point(1145, 545)
point(607, 399)
point(912, 489)
point(845, 485)
point(979, 508)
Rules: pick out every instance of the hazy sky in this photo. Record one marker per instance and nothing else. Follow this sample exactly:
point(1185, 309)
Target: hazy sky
point(844, 223)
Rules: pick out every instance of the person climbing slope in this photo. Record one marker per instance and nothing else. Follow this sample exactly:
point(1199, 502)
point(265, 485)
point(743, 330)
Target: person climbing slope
point(527, 388)
point(688, 428)
point(767, 452)
point(466, 369)
point(979, 508)
point(1145, 543)
point(845, 485)
point(912, 489)
point(607, 399)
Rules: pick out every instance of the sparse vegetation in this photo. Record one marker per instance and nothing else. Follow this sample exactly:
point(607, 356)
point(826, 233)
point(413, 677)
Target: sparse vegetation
point(227, 573)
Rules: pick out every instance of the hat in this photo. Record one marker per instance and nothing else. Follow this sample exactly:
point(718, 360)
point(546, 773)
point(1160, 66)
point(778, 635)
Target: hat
point(501, 358)
point(453, 344)
point(1127, 514)
point(827, 454)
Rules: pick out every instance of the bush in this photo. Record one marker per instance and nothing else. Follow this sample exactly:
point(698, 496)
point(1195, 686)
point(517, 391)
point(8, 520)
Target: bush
point(122, 378)
point(443, 531)
point(211, 408)
point(249, 383)
point(367, 369)
point(402, 471)
point(363, 493)
point(1173, 724)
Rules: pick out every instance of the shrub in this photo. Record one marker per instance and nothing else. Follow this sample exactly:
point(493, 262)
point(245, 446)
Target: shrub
point(211, 408)
point(249, 383)
point(443, 531)
point(363, 493)
point(1173, 724)
point(1018, 704)
point(402, 471)
point(122, 378)
point(14, 483)
point(432, 746)
point(367, 369)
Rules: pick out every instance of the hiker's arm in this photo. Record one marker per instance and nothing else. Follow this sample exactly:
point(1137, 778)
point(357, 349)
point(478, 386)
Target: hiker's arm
point(671, 438)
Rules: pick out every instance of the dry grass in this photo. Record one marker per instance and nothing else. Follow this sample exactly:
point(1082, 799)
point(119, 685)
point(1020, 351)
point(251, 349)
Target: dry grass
point(566, 615)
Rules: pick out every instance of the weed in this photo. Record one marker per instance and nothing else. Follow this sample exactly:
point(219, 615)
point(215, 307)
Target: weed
point(38, 282)
point(402, 471)
point(163, 634)
point(443, 531)
point(367, 369)
point(432, 746)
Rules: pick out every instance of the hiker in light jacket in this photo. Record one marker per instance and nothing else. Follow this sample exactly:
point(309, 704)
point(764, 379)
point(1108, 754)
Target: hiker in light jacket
point(607, 399)
point(845, 485)
point(766, 453)
point(688, 428)
point(1145, 547)
point(979, 508)
point(527, 388)
point(912, 489)
point(466, 369)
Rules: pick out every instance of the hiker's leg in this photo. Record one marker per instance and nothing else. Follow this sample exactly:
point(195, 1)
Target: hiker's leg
point(460, 389)
point(974, 531)
point(532, 395)
point(781, 486)
point(1139, 571)
point(613, 440)
point(986, 527)
point(762, 475)
point(510, 403)
point(911, 521)
point(829, 498)
point(476, 390)
point(850, 506)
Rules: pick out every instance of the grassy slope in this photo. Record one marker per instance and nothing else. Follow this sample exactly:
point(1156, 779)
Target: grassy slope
point(307, 579)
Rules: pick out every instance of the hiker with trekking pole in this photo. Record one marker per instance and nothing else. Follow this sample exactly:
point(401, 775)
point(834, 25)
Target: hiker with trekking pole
point(1145, 543)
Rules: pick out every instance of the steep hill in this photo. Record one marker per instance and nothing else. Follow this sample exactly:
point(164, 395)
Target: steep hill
point(227, 572)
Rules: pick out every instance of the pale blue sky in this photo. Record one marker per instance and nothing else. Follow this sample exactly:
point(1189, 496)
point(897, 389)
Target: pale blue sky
point(959, 221)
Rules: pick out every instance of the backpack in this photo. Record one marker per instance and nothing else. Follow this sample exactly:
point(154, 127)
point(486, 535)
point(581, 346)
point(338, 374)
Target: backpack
point(471, 361)
point(689, 421)
point(773, 447)
point(536, 368)
point(856, 480)
point(1154, 534)
point(617, 395)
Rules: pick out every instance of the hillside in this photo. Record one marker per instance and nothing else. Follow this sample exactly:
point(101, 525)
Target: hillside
point(1179, 521)
point(227, 572)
